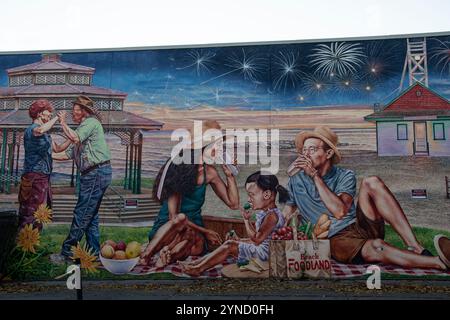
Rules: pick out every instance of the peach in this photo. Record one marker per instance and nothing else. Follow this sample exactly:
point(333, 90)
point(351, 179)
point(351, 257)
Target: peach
point(120, 255)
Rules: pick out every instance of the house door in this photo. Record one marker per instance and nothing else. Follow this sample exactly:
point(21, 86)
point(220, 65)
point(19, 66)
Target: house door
point(420, 138)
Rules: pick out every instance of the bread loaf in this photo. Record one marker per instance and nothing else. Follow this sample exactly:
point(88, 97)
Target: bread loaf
point(322, 225)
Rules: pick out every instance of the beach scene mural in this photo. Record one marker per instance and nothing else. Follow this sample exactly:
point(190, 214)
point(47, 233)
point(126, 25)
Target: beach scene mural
point(386, 99)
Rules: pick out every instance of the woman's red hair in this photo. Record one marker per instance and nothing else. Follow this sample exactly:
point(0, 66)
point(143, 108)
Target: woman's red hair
point(39, 106)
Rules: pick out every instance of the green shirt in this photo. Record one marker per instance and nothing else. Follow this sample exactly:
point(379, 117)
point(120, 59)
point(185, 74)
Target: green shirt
point(92, 148)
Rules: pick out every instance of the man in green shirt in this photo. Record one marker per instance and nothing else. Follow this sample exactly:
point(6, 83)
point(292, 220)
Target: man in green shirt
point(92, 157)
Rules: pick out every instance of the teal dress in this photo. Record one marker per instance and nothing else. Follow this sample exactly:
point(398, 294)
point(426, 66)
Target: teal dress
point(191, 206)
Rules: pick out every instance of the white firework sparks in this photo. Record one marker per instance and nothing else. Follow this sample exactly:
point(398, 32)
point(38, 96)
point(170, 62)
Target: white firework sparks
point(286, 70)
point(441, 55)
point(250, 66)
point(347, 83)
point(338, 58)
point(202, 61)
point(380, 61)
point(314, 84)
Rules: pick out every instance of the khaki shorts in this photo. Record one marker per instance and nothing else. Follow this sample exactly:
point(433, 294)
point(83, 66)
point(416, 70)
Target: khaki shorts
point(346, 245)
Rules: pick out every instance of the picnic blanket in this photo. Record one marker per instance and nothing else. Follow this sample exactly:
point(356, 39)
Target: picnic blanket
point(339, 270)
point(175, 269)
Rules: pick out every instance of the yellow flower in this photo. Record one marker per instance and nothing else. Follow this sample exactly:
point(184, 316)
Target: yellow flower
point(28, 238)
point(87, 258)
point(43, 214)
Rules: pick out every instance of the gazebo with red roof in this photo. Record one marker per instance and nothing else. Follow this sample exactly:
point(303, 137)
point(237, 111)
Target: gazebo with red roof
point(415, 123)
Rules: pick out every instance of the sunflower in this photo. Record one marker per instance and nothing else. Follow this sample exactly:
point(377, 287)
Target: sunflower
point(43, 214)
point(86, 256)
point(28, 238)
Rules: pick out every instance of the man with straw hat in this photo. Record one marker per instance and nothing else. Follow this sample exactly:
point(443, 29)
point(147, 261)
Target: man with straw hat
point(92, 156)
point(357, 230)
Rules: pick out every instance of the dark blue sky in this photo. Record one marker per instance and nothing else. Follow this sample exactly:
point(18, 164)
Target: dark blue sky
point(259, 77)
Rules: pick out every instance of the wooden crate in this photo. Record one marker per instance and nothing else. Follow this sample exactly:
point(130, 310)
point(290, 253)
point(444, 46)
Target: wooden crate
point(223, 225)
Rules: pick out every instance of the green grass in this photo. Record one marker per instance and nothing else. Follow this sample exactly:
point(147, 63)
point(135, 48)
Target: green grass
point(53, 236)
point(145, 183)
point(424, 236)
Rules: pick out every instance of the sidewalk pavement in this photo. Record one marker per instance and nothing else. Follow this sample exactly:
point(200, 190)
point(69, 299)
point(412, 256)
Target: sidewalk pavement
point(229, 289)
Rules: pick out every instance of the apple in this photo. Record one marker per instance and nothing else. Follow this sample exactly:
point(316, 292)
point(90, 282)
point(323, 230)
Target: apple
point(133, 250)
point(107, 251)
point(120, 255)
point(121, 246)
point(110, 243)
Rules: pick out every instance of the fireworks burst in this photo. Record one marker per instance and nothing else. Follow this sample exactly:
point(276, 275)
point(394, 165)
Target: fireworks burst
point(249, 66)
point(337, 59)
point(314, 84)
point(286, 70)
point(202, 61)
point(346, 84)
point(441, 55)
point(380, 62)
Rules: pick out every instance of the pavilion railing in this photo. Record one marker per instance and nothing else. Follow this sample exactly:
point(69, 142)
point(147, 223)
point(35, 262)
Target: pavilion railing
point(122, 200)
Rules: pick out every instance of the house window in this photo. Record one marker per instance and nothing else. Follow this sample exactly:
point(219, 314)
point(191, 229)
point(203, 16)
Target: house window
point(402, 131)
point(438, 131)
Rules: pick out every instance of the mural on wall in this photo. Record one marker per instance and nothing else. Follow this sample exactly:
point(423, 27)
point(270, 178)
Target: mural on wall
point(363, 128)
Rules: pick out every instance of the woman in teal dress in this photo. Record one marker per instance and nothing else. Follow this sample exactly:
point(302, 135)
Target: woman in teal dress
point(178, 231)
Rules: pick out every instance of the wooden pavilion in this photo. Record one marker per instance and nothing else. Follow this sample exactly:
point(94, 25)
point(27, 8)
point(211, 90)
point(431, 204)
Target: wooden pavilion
point(60, 83)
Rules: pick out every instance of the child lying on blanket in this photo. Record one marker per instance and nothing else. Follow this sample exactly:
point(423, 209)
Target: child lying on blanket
point(262, 190)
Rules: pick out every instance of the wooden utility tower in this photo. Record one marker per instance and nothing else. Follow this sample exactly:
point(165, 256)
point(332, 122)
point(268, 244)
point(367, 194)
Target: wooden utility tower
point(416, 62)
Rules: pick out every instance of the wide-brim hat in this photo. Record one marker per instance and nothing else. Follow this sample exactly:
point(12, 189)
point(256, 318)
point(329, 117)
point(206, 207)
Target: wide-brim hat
point(323, 133)
point(88, 104)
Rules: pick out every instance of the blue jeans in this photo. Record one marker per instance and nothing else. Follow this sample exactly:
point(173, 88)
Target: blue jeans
point(85, 216)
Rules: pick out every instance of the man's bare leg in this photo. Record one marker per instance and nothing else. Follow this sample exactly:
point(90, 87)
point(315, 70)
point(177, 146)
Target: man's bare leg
point(377, 202)
point(377, 250)
point(165, 236)
point(229, 248)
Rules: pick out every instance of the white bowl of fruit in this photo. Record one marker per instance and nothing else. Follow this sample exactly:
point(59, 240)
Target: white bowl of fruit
point(120, 258)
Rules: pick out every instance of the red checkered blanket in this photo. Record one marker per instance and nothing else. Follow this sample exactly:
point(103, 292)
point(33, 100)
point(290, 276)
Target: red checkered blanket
point(175, 269)
point(339, 270)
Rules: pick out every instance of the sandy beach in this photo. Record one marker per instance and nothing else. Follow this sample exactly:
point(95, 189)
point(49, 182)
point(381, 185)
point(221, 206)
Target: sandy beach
point(348, 117)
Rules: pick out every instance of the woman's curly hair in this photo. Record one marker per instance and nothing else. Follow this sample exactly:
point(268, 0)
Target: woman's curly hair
point(39, 106)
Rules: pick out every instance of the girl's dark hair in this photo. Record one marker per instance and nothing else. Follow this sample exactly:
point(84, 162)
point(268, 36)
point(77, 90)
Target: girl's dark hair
point(180, 178)
point(269, 182)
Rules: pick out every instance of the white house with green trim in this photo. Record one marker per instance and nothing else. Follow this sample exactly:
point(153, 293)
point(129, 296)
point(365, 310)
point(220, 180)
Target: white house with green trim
point(415, 123)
